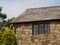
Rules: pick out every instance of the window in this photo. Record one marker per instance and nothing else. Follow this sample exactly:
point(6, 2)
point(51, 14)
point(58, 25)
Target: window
point(43, 28)
point(35, 29)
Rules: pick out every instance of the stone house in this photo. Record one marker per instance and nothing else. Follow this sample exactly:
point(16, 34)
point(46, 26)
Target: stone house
point(38, 26)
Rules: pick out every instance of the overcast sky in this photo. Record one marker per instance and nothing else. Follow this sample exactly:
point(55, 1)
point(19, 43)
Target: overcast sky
point(13, 8)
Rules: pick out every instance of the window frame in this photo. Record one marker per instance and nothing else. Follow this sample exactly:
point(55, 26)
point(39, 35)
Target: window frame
point(48, 29)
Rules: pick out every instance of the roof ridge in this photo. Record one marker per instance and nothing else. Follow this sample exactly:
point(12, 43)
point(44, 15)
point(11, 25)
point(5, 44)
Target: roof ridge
point(42, 7)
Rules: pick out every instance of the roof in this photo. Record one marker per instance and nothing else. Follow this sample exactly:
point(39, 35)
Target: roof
point(39, 14)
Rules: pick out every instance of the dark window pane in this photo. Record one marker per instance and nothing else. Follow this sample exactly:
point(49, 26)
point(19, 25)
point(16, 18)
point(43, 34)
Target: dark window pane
point(47, 28)
point(35, 29)
point(43, 28)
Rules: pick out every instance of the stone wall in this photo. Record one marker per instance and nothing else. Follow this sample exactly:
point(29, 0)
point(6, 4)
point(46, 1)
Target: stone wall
point(24, 35)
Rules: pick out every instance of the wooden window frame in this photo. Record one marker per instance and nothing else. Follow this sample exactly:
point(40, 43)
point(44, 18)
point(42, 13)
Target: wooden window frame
point(43, 30)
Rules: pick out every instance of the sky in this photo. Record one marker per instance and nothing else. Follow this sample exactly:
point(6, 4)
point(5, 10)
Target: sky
point(14, 8)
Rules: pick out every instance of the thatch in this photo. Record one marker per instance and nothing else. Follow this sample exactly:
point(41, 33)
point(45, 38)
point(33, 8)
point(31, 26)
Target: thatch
point(39, 14)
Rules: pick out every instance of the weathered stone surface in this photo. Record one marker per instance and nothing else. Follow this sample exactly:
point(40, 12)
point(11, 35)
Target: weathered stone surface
point(24, 35)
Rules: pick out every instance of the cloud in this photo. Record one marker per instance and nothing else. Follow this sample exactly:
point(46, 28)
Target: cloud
point(41, 1)
point(38, 3)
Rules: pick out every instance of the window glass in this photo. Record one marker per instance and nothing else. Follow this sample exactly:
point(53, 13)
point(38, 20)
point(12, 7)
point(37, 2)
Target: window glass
point(43, 28)
point(36, 29)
